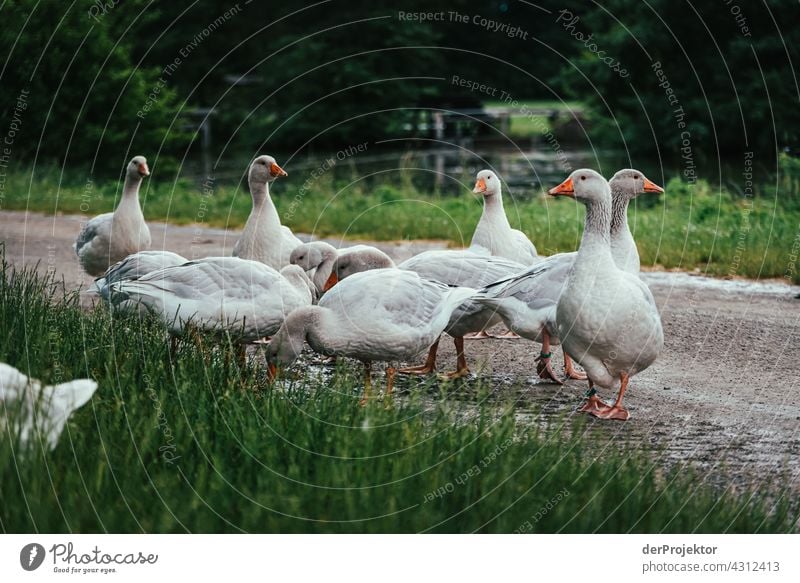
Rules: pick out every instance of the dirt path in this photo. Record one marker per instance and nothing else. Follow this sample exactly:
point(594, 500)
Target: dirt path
point(724, 393)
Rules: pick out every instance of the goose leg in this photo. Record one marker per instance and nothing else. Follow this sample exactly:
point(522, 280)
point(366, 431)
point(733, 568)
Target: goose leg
point(390, 374)
point(428, 367)
point(593, 405)
point(570, 371)
point(367, 383)
point(462, 369)
point(616, 411)
point(543, 366)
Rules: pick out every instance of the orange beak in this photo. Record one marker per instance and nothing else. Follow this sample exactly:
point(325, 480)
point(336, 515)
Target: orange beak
point(564, 189)
point(480, 186)
point(332, 281)
point(276, 170)
point(652, 187)
point(144, 170)
point(272, 371)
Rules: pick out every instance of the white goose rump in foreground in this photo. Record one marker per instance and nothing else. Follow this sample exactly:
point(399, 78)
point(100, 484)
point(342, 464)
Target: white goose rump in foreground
point(33, 408)
point(606, 318)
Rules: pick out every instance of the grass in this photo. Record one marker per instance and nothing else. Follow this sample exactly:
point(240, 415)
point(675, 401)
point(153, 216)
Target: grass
point(204, 446)
point(692, 227)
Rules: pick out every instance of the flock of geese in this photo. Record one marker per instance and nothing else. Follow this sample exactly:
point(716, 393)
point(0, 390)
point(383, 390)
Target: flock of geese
point(356, 302)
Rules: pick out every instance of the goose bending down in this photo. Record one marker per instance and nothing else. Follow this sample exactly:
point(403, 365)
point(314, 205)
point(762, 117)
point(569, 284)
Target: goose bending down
point(319, 257)
point(135, 266)
point(264, 239)
point(382, 315)
point(35, 409)
point(246, 299)
point(110, 237)
point(494, 232)
point(462, 268)
point(527, 302)
point(607, 318)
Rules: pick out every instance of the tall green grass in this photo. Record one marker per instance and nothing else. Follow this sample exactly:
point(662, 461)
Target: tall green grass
point(200, 445)
point(690, 227)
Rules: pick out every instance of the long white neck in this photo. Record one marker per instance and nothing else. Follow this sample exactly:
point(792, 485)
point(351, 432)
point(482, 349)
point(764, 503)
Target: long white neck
point(595, 249)
point(323, 271)
point(130, 195)
point(493, 212)
point(623, 247)
point(264, 210)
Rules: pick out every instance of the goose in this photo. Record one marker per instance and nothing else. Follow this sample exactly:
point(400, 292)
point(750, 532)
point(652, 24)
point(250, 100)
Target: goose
point(35, 409)
point(494, 232)
point(527, 301)
point(463, 268)
point(319, 257)
point(110, 237)
point(606, 318)
point(264, 239)
point(382, 315)
point(246, 299)
point(135, 266)
point(626, 185)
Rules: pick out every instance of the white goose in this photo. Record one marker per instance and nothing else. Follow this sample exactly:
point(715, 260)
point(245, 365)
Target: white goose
point(463, 268)
point(264, 239)
point(246, 299)
point(35, 409)
point(110, 237)
point(494, 232)
point(379, 315)
point(527, 302)
point(319, 257)
point(607, 318)
point(135, 266)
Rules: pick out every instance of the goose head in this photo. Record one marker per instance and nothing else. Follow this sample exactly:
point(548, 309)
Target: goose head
point(265, 169)
point(630, 183)
point(311, 255)
point(584, 185)
point(138, 168)
point(286, 345)
point(487, 183)
point(354, 261)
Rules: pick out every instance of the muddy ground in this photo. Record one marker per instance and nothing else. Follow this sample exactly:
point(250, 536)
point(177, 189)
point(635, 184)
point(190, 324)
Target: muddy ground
point(723, 395)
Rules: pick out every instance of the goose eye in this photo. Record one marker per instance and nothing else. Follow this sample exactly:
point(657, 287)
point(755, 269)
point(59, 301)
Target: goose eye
point(583, 178)
point(636, 177)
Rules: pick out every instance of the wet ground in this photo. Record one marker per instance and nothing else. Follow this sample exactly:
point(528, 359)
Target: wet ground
point(723, 395)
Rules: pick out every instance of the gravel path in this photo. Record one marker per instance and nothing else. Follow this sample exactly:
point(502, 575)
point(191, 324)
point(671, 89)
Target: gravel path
point(723, 395)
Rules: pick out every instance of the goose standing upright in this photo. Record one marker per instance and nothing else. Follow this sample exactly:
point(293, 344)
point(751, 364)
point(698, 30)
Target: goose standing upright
point(111, 237)
point(494, 232)
point(378, 315)
point(607, 318)
point(264, 239)
point(626, 185)
point(527, 302)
